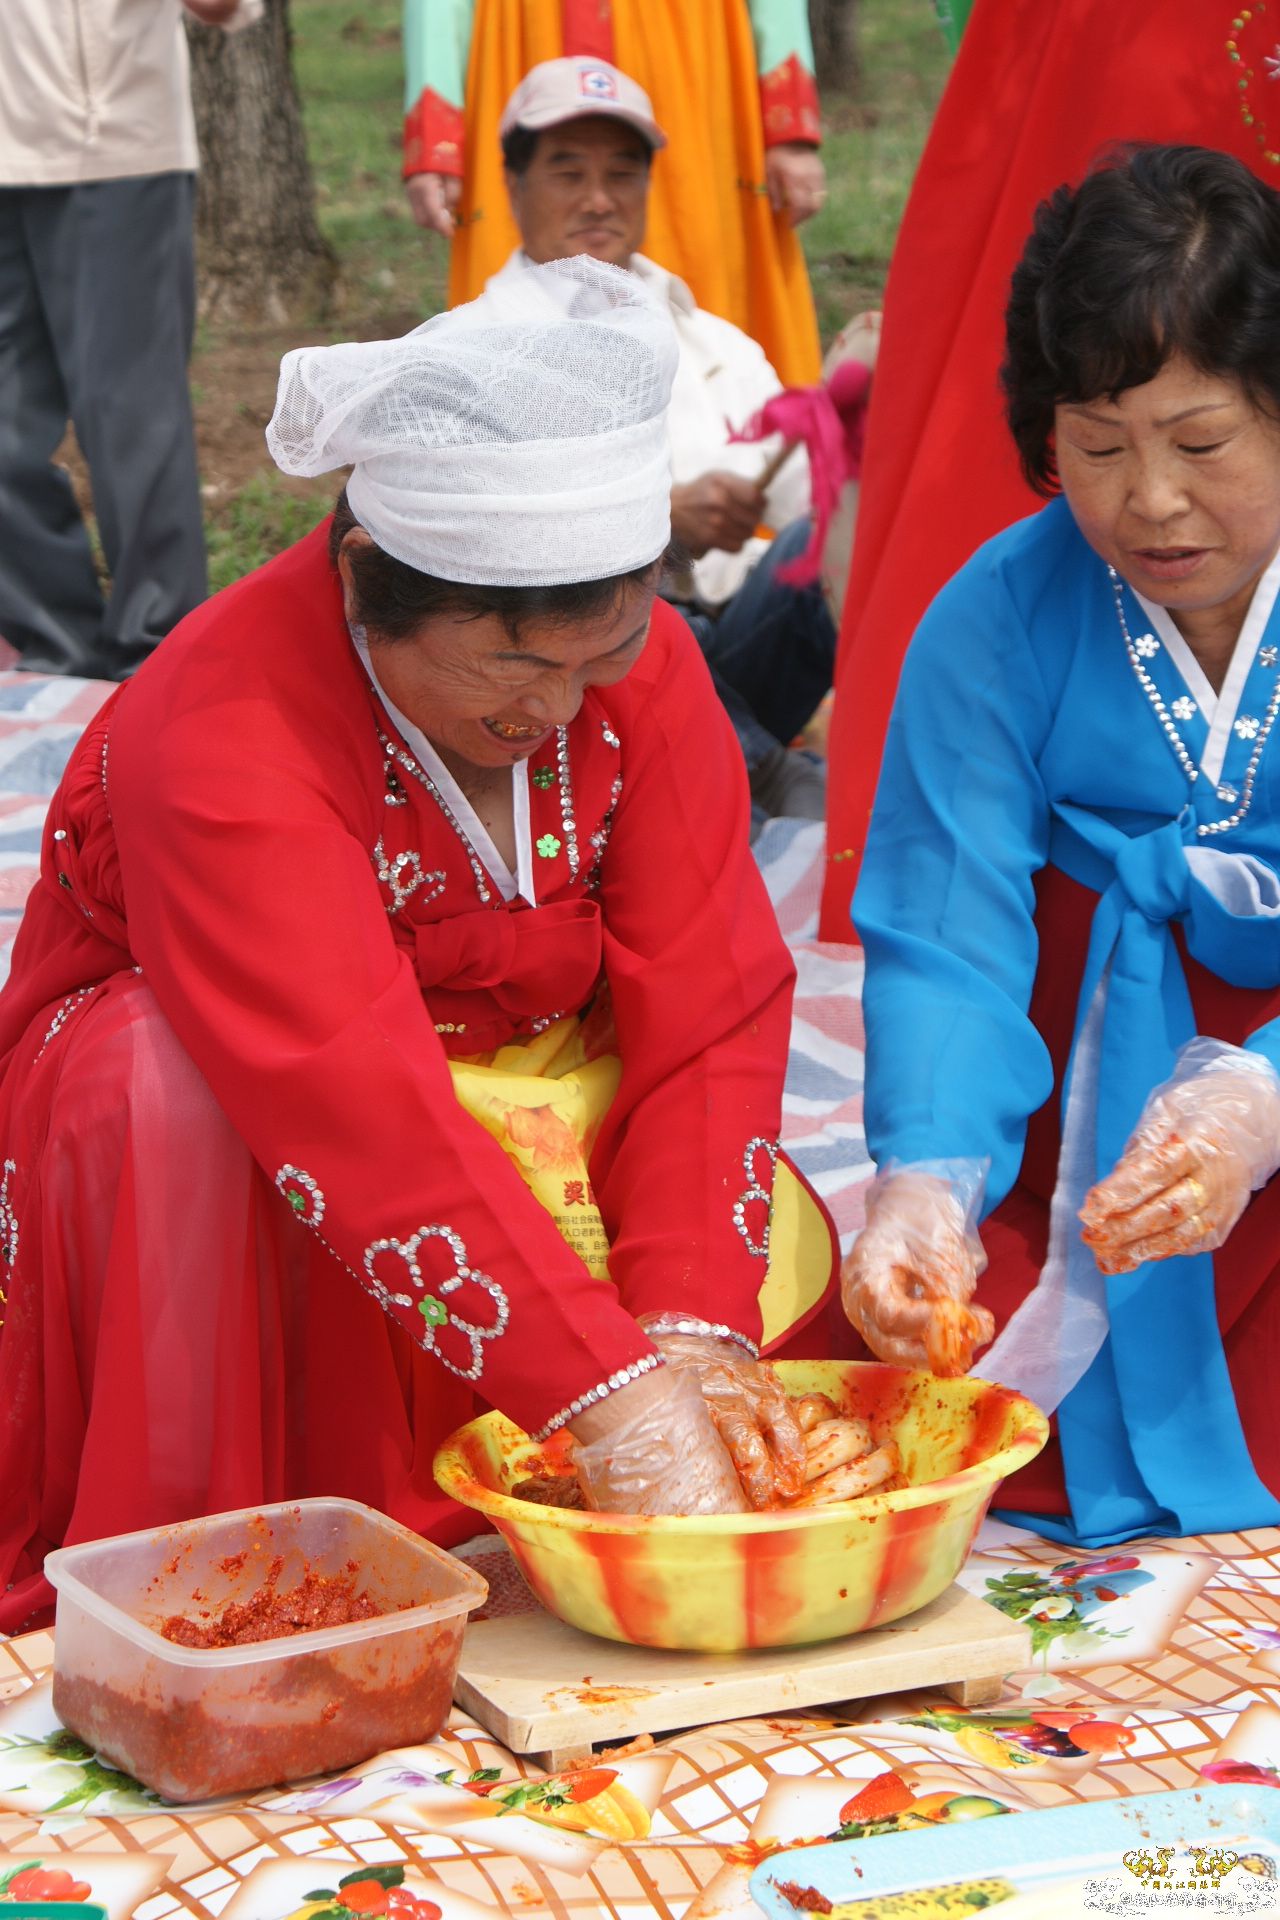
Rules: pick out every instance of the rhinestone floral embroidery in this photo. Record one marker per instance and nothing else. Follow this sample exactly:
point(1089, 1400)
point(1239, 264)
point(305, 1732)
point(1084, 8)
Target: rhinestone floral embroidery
point(1147, 646)
point(544, 777)
point(402, 874)
point(404, 759)
point(8, 1219)
point(756, 1193)
point(64, 1013)
point(1184, 708)
point(436, 1314)
point(302, 1194)
point(548, 846)
point(1247, 727)
point(1268, 656)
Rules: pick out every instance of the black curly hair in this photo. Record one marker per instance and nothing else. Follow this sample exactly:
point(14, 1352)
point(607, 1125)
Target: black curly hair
point(1160, 250)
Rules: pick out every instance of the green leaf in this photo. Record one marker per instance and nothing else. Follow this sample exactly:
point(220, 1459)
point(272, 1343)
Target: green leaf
point(23, 1866)
point(391, 1876)
point(320, 1893)
point(518, 1797)
point(97, 1781)
point(485, 1773)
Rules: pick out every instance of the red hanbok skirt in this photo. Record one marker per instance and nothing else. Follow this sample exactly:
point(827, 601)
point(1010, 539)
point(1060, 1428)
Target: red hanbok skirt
point(172, 1343)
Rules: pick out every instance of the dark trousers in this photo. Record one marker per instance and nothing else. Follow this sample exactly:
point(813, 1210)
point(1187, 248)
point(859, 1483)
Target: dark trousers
point(97, 310)
point(771, 650)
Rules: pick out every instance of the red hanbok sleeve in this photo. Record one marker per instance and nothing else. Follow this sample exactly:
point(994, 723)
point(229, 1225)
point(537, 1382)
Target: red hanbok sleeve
point(702, 985)
point(242, 822)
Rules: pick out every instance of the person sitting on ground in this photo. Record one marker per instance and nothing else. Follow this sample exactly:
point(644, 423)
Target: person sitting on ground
point(400, 1016)
point(578, 139)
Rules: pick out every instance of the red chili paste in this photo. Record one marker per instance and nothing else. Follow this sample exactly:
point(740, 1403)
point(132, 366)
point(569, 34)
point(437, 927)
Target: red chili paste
point(274, 1721)
point(319, 1600)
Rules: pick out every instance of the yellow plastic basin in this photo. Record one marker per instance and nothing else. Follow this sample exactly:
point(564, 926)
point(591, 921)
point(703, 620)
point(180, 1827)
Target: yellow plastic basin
point(730, 1581)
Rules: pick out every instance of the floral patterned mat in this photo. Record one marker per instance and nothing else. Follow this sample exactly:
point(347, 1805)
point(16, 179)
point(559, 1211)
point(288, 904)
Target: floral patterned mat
point(1155, 1668)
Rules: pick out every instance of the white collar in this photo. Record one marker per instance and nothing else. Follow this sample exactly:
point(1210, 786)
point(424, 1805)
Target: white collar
point(508, 884)
point(1219, 709)
point(667, 286)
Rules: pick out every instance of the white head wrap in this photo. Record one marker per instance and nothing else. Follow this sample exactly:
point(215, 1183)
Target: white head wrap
point(517, 441)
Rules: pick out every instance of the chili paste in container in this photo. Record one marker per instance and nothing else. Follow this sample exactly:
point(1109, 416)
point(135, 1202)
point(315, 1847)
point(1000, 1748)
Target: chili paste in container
point(248, 1649)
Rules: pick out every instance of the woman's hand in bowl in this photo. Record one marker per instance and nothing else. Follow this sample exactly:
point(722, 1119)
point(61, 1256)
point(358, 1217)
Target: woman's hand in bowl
point(749, 1405)
point(652, 1447)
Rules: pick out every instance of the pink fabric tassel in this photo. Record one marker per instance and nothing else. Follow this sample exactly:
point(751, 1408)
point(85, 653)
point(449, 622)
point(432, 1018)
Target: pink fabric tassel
point(830, 421)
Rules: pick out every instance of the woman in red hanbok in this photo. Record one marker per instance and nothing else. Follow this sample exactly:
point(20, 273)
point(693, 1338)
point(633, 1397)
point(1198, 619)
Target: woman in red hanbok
point(322, 846)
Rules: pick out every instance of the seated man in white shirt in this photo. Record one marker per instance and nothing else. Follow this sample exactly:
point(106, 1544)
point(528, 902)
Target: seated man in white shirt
point(578, 138)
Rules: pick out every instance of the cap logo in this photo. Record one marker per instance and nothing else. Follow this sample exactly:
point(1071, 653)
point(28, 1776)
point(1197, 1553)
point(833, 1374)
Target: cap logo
point(596, 84)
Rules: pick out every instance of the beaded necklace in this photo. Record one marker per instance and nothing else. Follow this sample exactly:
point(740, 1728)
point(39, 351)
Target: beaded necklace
point(1169, 725)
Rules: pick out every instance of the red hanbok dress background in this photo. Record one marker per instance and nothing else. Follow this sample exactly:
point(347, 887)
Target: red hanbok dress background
point(252, 1246)
point(1039, 89)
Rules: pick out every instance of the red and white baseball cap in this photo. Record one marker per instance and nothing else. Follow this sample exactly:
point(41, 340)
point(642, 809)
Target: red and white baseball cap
point(571, 88)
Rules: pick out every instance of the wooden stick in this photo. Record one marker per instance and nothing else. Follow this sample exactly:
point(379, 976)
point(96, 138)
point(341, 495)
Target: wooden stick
point(773, 466)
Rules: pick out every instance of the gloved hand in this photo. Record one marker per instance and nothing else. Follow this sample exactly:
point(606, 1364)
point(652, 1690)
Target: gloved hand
point(652, 1447)
point(908, 1282)
point(748, 1403)
point(1207, 1139)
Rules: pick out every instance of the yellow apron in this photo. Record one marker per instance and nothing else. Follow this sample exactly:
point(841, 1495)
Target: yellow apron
point(544, 1101)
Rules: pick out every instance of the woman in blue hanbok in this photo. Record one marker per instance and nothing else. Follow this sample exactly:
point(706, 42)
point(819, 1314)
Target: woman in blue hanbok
point(1070, 902)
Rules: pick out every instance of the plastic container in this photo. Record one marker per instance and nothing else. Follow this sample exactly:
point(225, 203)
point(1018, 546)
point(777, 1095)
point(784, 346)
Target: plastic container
point(197, 1723)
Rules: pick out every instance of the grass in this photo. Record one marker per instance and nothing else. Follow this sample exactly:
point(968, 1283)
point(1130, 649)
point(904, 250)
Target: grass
point(259, 521)
point(347, 63)
point(348, 69)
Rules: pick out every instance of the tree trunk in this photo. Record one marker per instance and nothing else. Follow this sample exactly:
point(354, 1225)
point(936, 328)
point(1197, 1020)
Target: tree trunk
point(834, 27)
point(261, 255)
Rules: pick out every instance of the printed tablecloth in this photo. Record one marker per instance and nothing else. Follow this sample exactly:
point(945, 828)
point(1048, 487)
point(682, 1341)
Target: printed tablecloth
point(1157, 1667)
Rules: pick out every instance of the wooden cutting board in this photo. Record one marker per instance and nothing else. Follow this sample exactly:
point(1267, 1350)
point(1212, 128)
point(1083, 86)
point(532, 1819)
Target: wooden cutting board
point(545, 1689)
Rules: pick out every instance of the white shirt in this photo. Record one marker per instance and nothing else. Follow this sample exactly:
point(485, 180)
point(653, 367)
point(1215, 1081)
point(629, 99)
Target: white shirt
point(96, 90)
point(722, 378)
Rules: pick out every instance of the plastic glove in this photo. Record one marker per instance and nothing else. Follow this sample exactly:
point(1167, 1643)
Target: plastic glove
point(653, 1448)
point(748, 1403)
point(907, 1284)
point(1207, 1139)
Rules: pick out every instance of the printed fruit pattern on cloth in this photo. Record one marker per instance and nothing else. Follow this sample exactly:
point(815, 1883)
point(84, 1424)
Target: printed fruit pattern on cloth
point(1027, 1739)
point(367, 1890)
point(1066, 1604)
